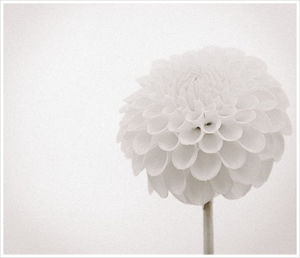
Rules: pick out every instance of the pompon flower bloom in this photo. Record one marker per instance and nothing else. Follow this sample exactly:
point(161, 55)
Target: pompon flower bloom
point(205, 123)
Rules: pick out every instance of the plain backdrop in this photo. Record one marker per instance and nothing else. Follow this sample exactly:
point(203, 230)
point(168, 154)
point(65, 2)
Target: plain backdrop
point(67, 187)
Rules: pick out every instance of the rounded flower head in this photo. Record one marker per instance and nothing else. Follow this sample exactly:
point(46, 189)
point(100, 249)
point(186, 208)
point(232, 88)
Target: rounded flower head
point(205, 123)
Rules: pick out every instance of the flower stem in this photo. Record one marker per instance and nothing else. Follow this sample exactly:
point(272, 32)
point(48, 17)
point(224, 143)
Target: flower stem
point(208, 228)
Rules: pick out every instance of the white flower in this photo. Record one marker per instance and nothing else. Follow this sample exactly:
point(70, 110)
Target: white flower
point(205, 123)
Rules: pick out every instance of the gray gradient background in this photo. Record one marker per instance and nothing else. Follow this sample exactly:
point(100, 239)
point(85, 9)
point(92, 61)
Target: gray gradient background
point(67, 187)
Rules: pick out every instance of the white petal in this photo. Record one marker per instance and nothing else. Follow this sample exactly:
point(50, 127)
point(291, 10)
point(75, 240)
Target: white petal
point(245, 116)
point(229, 99)
point(156, 161)
point(141, 103)
point(167, 141)
point(157, 124)
point(126, 144)
point(134, 96)
point(222, 182)
point(252, 140)
point(175, 179)
point(277, 120)
point(226, 111)
point(253, 67)
point(137, 164)
point(210, 122)
point(150, 188)
point(182, 101)
point(233, 155)
point(175, 121)
point(122, 131)
point(206, 166)
point(282, 99)
point(184, 126)
point(193, 116)
point(266, 168)
point(184, 156)
point(169, 109)
point(198, 192)
point(237, 191)
point(278, 146)
point(287, 129)
point(266, 100)
point(211, 143)
point(247, 102)
point(142, 143)
point(198, 106)
point(158, 184)
point(127, 118)
point(249, 173)
point(190, 136)
point(181, 197)
point(136, 123)
point(152, 111)
point(230, 130)
point(267, 152)
point(262, 122)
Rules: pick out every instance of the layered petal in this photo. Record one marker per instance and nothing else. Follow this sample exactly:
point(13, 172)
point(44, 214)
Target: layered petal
point(156, 161)
point(266, 100)
point(211, 143)
point(222, 182)
point(141, 103)
point(150, 188)
point(142, 143)
point(287, 128)
point(193, 116)
point(282, 100)
point(245, 116)
point(167, 141)
point(277, 120)
point(206, 166)
point(198, 192)
point(184, 156)
point(265, 170)
point(237, 191)
point(136, 123)
point(175, 179)
point(233, 155)
point(253, 67)
point(152, 111)
point(176, 120)
point(278, 146)
point(182, 198)
point(210, 122)
point(247, 101)
point(190, 136)
point(252, 140)
point(226, 111)
point(158, 184)
point(230, 130)
point(261, 122)
point(137, 164)
point(267, 152)
point(126, 144)
point(249, 172)
point(157, 125)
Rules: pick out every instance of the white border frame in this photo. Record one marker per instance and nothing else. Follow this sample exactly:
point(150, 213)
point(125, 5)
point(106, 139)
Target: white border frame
point(4, 2)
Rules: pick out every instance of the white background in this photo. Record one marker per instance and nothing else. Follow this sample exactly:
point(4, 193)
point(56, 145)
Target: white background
point(67, 187)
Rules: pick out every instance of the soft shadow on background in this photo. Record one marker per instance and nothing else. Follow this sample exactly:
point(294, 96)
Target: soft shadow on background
point(67, 187)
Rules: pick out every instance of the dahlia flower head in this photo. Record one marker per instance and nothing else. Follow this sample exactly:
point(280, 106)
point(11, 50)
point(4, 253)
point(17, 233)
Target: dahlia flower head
point(205, 123)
